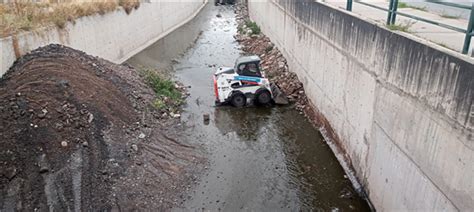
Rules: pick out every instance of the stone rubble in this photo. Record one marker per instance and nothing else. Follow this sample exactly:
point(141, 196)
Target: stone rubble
point(273, 62)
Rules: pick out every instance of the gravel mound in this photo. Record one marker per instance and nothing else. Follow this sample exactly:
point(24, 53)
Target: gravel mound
point(79, 133)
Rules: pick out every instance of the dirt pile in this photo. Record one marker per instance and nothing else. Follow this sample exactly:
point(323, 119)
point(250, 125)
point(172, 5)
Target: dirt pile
point(273, 62)
point(80, 133)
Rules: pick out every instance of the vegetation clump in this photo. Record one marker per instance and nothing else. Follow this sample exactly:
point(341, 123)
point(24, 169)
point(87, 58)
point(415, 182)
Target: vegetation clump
point(168, 94)
point(255, 29)
point(405, 5)
point(28, 15)
point(129, 5)
point(404, 27)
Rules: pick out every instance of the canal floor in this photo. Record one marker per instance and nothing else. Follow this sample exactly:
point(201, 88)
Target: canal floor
point(260, 158)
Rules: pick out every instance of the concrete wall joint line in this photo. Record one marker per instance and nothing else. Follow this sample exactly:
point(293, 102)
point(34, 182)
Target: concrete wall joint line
point(415, 163)
point(338, 48)
point(360, 84)
point(384, 84)
point(367, 69)
point(457, 127)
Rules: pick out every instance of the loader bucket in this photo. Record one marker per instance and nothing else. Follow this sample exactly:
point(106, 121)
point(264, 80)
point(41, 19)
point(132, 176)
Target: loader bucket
point(278, 97)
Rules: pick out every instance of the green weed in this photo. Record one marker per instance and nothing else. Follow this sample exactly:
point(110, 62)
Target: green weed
point(405, 5)
point(404, 27)
point(168, 97)
point(253, 27)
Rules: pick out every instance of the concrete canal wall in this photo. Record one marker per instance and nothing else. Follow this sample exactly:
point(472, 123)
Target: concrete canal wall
point(401, 108)
point(114, 36)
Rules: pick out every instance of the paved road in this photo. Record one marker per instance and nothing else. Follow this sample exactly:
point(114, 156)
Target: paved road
point(444, 37)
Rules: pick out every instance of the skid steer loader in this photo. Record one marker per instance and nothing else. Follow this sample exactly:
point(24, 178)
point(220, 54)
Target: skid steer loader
point(245, 82)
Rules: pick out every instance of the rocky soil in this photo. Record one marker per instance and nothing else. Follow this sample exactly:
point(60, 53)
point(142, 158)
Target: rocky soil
point(273, 63)
point(80, 133)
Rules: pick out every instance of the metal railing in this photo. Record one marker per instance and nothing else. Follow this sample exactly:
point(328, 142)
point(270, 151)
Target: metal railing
point(392, 14)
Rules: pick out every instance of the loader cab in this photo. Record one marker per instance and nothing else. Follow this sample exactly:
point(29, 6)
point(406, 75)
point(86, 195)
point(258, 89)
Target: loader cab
point(248, 66)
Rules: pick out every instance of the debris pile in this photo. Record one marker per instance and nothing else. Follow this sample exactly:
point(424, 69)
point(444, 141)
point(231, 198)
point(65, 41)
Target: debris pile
point(273, 62)
point(81, 133)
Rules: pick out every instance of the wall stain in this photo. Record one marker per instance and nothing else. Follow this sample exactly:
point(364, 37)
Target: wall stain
point(426, 76)
point(16, 46)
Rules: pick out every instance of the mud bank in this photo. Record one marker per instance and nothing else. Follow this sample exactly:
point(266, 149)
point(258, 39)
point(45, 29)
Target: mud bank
point(79, 133)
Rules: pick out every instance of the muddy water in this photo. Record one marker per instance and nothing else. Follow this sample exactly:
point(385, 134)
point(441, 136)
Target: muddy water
point(260, 158)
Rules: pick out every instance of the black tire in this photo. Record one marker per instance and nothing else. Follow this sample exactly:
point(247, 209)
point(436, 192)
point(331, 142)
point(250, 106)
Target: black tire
point(263, 97)
point(238, 100)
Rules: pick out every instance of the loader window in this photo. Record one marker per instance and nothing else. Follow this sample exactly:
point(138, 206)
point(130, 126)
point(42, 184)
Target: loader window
point(249, 69)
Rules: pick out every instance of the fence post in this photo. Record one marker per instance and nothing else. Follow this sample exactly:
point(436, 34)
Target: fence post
point(394, 12)
point(349, 5)
point(469, 32)
point(390, 8)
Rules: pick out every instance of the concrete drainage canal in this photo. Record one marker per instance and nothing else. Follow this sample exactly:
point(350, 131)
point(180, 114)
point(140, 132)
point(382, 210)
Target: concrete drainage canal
point(259, 158)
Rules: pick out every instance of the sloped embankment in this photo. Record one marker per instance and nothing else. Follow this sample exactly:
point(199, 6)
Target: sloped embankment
point(79, 133)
